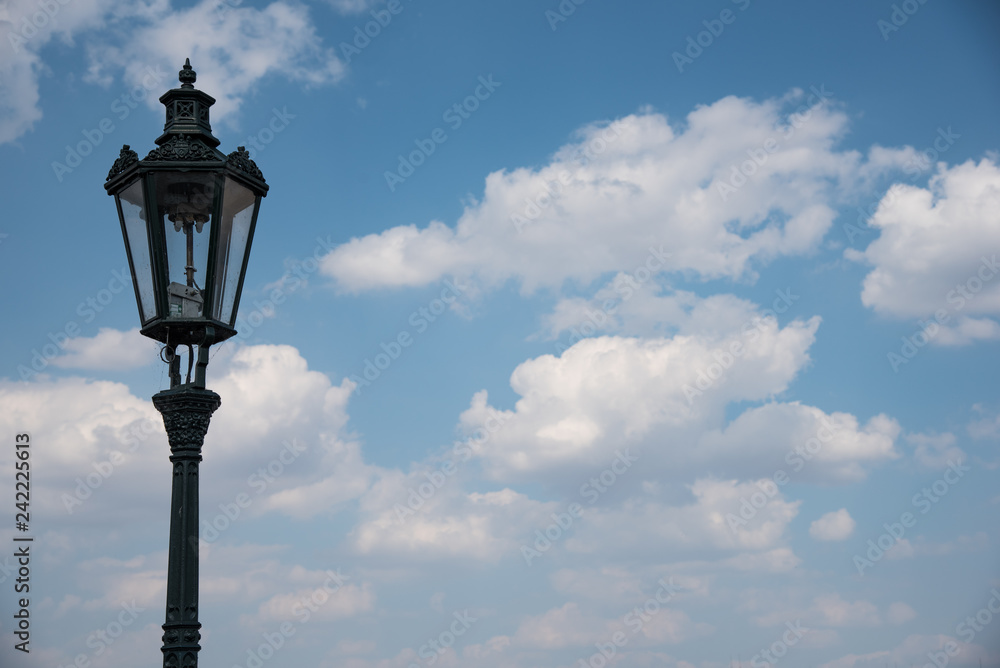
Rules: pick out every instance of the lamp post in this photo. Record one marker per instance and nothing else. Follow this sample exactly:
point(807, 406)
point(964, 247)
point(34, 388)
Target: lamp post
point(187, 214)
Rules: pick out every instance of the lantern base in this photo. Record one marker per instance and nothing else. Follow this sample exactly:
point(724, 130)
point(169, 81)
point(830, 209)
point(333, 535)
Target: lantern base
point(180, 332)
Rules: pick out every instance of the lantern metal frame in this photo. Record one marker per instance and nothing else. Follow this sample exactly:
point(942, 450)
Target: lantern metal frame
point(186, 148)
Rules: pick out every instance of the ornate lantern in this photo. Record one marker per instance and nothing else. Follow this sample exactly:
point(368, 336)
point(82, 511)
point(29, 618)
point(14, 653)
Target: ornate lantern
point(187, 213)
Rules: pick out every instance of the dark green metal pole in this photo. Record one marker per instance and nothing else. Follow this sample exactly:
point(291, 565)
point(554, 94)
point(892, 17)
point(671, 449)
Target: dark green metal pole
point(186, 413)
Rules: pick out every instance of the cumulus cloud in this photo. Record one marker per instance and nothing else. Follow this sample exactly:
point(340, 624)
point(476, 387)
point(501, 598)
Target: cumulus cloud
point(26, 30)
point(833, 526)
point(279, 421)
point(810, 445)
point(232, 47)
point(667, 398)
point(935, 451)
point(94, 432)
point(484, 526)
point(109, 349)
point(933, 256)
point(709, 521)
point(607, 391)
point(623, 190)
point(832, 610)
point(633, 304)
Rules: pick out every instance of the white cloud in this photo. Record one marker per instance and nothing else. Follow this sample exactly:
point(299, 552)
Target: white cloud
point(608, 391)
point(27, 29)
point(271, 399)
point(809, 445)
point(833, 526)
point(900, 613)
point(934, 252)
point(100, 443)
point(109, 349)
point(352, 6)
point(451, 525)
point(233, 47)
point(657, 394)
point(915, 650)
point(644, 527)
point(777, 560)
point(19, 109)
point(935, 451)
point(632, 306)
point(571, 625)
point(331, 602)
point(987, 427)
point(833, 610)
point(903, 549)
point(642, 183)
point(105, 458)
point(566, 626)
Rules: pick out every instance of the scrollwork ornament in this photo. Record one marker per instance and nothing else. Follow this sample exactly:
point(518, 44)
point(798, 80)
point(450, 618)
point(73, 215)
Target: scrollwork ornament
point(182, 148)
point(125, 159)
point(240, 159)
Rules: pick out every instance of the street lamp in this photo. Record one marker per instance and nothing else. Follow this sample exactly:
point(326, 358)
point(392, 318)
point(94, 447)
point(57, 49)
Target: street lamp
point(187, 213)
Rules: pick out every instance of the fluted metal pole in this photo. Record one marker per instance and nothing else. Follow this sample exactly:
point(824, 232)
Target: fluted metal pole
point(186, 413)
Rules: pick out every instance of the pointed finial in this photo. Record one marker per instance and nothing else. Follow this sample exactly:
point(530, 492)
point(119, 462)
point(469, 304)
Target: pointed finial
point(187, 75)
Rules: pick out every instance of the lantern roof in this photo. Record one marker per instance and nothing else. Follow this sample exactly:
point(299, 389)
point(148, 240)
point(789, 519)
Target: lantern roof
point(187, 110)
point(187, 138)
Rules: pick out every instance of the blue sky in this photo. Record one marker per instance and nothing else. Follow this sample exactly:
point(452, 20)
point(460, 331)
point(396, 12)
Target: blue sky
point(573, 334)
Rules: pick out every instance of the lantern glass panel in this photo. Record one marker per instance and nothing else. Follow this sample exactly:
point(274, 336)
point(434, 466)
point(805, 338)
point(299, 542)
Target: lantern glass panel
point(185, 201)
point(234, 237)
point(133, 215)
